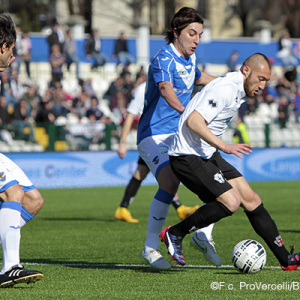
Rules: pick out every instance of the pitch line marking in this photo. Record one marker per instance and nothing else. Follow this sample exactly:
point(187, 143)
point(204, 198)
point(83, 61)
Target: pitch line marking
point(99, 265)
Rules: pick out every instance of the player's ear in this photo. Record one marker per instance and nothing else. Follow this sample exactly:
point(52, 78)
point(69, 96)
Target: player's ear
point(175, 32)
point(246, 70)
point(3, 47)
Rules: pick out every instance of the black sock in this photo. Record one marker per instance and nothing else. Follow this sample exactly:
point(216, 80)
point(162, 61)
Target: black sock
point(176, 202)
point(130, 192)
point(266, 228)
point(202, 217)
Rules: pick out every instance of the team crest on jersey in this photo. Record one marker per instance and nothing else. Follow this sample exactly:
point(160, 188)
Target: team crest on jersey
point(163, 149)
point(219, 177)
point(2, 176)
point(155, 160)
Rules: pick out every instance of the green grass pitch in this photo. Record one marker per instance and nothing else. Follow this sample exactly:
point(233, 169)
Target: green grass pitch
point(85, 254)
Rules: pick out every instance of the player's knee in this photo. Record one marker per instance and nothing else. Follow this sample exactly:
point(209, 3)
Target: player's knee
point(235, 203)
point(13, 193)
point(251, 201)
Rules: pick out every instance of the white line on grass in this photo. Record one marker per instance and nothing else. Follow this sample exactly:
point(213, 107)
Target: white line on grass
point(99, 265)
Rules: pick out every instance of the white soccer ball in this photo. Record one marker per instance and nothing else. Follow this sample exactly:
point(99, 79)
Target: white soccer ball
point(249, 256)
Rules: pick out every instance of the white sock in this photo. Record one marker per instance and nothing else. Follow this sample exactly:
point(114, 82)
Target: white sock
point(10, 215)
point(205, 233)
point(158, 213)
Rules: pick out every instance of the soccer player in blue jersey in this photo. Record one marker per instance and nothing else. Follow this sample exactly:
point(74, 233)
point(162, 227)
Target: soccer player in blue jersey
point(20, 200)
point(171, 78)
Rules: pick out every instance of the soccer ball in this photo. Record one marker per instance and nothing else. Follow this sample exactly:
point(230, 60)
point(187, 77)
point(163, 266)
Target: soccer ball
point(249, 256)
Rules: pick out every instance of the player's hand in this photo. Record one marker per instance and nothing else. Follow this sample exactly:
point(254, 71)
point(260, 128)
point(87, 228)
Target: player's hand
point(238, 148)
point(122, 151)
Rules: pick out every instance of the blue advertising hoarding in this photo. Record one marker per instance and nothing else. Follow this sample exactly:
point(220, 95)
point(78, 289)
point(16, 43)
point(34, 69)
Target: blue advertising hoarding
point(105, 168)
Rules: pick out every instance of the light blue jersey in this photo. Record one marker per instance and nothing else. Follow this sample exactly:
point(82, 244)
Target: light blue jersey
point(167, 65)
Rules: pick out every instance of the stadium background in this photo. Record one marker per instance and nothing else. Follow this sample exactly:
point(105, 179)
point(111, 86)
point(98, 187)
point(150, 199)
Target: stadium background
point(76, 169)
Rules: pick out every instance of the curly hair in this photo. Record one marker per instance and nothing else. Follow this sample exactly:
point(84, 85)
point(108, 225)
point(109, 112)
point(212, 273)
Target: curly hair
point(181, 20)
point(7, 31)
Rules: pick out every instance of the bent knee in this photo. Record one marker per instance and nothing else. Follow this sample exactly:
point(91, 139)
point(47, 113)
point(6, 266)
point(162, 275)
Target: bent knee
point(235, 203)
point(251, 202)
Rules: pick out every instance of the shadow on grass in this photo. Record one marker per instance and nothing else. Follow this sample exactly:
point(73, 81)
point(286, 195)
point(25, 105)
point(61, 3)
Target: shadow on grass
point(122, 266)
point(291, 231)
point(79, 219)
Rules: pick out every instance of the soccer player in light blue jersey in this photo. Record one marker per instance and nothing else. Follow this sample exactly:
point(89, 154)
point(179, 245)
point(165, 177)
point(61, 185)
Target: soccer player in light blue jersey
point(20, 199)
point(171, 78)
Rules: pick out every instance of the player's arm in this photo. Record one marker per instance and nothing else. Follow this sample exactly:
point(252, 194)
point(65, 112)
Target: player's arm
point(125, 130)
point(167, 92)
point(204, 79)
point(197, 123)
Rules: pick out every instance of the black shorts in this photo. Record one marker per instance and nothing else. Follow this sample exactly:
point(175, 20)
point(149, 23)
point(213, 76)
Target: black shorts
point(207, 178)
point(141, 162)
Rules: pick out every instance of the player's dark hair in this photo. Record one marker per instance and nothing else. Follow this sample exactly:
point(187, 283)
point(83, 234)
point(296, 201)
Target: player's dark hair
point(7, 31)
point(181, 20)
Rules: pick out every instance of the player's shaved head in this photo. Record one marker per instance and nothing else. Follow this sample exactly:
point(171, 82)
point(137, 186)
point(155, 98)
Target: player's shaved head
point(257, 60)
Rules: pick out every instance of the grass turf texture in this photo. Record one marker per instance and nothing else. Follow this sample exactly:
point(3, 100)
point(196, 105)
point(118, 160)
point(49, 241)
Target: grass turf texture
point(85, 254)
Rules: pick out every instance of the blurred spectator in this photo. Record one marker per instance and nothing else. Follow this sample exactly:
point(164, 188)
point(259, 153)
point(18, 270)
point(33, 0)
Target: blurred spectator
point(44, 113)
point(57, 59)
point(232, 62)
point(62, 101)
point(114, 87)
point(31, 98)
point(121, 52)
point(140, 75)
point(70, 50)
point(56, 37)
point(93, 50)
point(22, 122)
point(5, 117)
point(283, 111)
point(296, 106)
point(285, 51)
point(94, 109)
point(17, 87)
point(26, 51)
point(240, 134)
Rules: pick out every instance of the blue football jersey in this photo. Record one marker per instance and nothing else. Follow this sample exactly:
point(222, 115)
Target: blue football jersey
point(167, 65)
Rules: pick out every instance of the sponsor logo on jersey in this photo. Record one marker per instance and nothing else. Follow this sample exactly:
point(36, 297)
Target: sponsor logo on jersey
point(219, 177)
point(165, 58)
point(278, 241)
point(163, 149)
point(180, 73)
point(155, 160)
point(2, 176)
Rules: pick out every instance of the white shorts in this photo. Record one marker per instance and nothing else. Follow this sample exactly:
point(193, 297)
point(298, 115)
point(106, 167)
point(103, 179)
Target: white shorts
point(154, 151)
point(11, 174)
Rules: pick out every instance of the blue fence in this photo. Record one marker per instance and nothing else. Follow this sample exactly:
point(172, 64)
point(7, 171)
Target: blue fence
point(105, 168)
point(214, 52)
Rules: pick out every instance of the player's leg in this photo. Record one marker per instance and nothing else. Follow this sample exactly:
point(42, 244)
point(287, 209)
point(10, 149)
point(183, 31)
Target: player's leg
point(154, 150)
point(200, 177)
point(263, 224)
point(182, 210)
point(122, 212)
point(32, 203)
point(12, 193)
